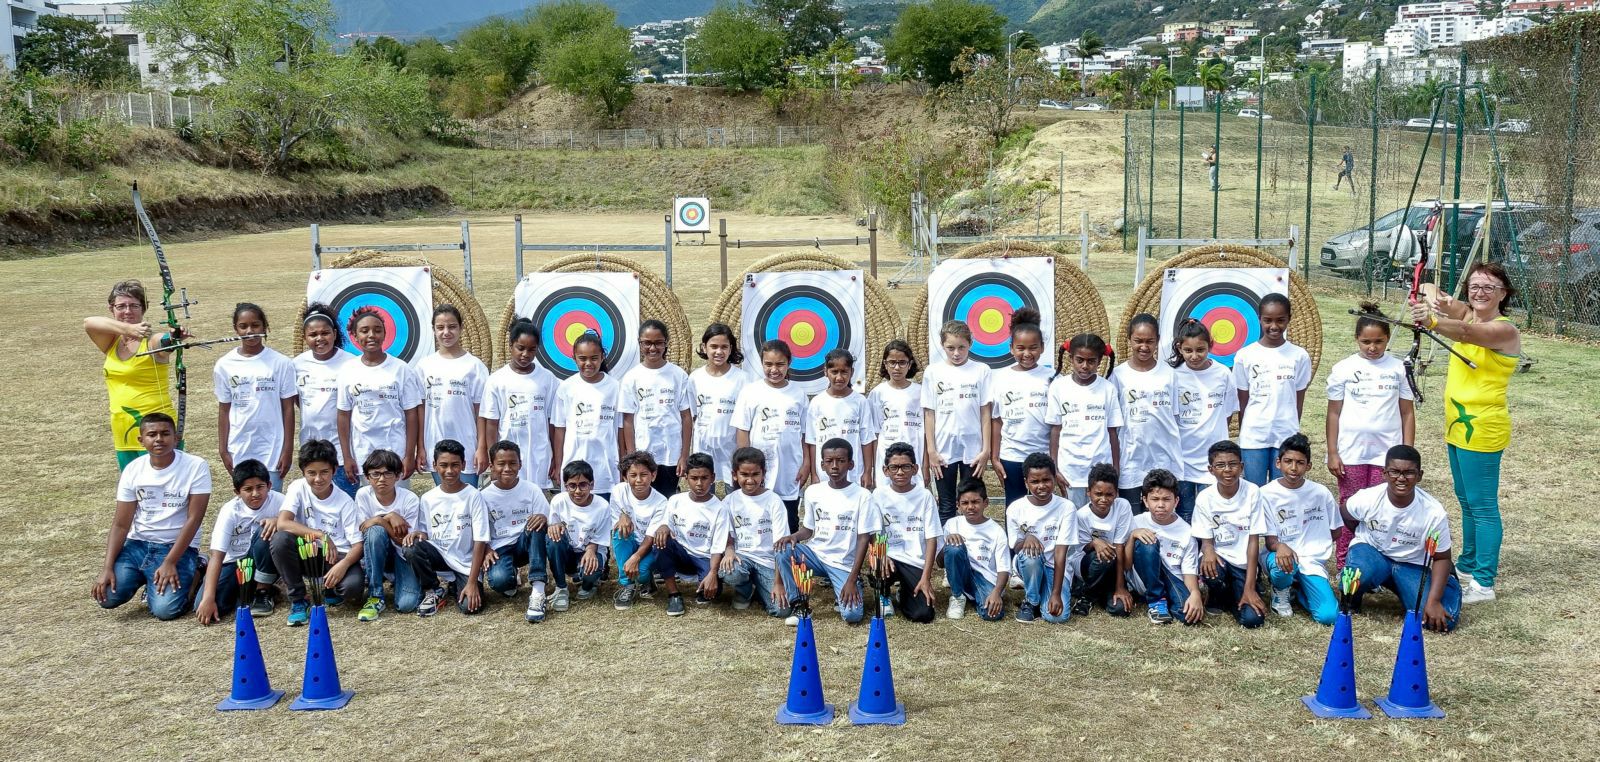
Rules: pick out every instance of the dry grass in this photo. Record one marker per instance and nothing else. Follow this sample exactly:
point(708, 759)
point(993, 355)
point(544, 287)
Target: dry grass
point(1518, 679)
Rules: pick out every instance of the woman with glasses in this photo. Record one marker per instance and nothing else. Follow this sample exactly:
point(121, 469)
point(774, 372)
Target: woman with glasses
point(136, 385)
point(1477, 422)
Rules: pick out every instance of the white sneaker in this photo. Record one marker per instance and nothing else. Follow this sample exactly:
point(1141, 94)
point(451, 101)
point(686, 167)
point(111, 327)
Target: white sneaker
point(1280, 602)
point(1476, 593)
point(792, 621)
point(957, 607)
point(560, 601)
point(535, 613)
point(1015, 583)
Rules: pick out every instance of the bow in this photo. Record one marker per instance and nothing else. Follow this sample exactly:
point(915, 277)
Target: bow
point(1411, 357)
point(183, 303)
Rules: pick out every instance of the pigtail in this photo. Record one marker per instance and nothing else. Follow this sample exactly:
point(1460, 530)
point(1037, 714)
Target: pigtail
point(1111, 359)
point(1061, 356)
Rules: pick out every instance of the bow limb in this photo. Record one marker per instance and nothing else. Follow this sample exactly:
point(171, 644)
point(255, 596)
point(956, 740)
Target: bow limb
point(168, 289)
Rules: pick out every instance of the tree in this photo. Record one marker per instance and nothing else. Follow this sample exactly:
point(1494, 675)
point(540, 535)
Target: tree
point(928, 39)
point(809, 26)
point(1213, 78)
point(1159, 83)
point(199, 36)
point(1089, 45)
point(743, 47)
point(988, 90)
point(500, 46)
point(555, 23)
point(74, 48)
point(596, 66)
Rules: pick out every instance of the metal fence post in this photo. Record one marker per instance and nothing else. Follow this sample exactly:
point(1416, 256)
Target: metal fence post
point(1181, 111)
point(666, 243)
point(1453, 229)
point(1061, 193)
point(516, 237)
point(1261, 110)
point(722, 239)
point(1127, 144)
point(872, 242)
point(1216, 156)
point(1570, 180)
point(1083, 241)
point(1311, 150)
point(466, 254)
point(316, 247)
point(1372, 180)
point(1150, 208)
point(1138, 262)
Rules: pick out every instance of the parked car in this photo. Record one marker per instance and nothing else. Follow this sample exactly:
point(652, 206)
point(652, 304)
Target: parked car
point(1515, 125)
point(1053, 104)
point(1421, 123)
point(1090, 107)
point(1346, 253)
point(1250, 113)
point(1556, 266)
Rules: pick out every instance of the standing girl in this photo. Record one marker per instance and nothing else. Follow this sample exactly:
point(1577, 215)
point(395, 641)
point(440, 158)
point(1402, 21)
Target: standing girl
point(516, 406)
point(897, 404)
point(716, 386)
point(1083, 415)
point(1146, 389)
point(256, 390)
point(452, 380)
point(770, 416)
point(1018, 395)
point(380, 400)
point(840, 411)
point(1271, 376)
point(657, 408)
point(956, 413)
point(1205, 401)
point(587, 416)
point(316, 373)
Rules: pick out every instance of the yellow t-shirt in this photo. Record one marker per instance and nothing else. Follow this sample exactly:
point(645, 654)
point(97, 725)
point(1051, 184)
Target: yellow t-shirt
point(137, 386)
point(1475, 413)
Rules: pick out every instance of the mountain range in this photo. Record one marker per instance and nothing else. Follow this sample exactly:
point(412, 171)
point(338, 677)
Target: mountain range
point(444, 18)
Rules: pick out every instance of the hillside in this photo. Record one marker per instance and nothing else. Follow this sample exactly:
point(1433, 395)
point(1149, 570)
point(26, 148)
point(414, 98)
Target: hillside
point(417, 17)
point(1119, 21)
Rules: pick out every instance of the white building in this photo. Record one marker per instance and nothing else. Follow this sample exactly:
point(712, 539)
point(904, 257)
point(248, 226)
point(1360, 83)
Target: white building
point(1361, 57)
point(1324, 47)
point(1416, 71)
point(1541, 7)
point(1419, 11)
point(17, 19)
point(1503, 26)
point(1407, 40)
point(143, 51)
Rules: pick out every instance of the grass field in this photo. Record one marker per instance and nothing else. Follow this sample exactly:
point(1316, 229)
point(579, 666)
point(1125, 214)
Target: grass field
point(1518, 680)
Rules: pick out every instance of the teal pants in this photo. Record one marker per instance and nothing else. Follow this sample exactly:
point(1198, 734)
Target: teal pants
point(1477, 482)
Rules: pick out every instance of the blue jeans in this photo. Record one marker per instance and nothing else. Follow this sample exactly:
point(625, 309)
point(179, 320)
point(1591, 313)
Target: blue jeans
point(427, 562)
point(566, 562)
point(753, 582)
point(1477, 482)
point(136, 566)
point(1159, 583)
point(378, 555)
point(1227, 590)
point(1078, 496)
point(343, 482)
point(1016, 480)
point(836, 576)
point(965, 583)
point(673, 559)
point(527, 550)
point(227, 593)
point(1377, 570)
point(622, 549)
point(1134, 496)
point(1038, 580)
point(1187, 492)
point(1097, 581)
point(1261, 465)
point(1315, 594)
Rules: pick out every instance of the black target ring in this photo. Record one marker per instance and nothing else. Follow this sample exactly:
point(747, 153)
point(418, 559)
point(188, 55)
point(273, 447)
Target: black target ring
point(402, 325)
point(565, 315)
point(811, 321)
point(991, 298)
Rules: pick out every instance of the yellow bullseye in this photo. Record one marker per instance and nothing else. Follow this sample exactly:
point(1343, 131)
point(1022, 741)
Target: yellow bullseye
point(991, 321)
point(1222, 331)
point(802, 334)
point(574, 331)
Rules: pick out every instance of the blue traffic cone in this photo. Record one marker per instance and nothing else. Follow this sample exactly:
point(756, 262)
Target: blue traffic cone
point(251, 689)
point(805, 705)
point(320, 688)
point(1336, 691)
point(875, 704)
point(1408, 689)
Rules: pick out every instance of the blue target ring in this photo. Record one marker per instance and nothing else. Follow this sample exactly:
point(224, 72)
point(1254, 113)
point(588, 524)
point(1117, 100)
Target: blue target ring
point(564, 316)
point(1230, 312)
point(811, 321)
point(402, 326)
point(986, 302)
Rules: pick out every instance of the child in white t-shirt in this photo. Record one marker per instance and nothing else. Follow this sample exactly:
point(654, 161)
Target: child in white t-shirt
point(1100, 528)
point(453, 382)
point(313, 509)
point(658, 408)
point(1147, 389)
point(317, 384)
point(770, 416)
point(716, 386)
point(454, 540)
point(833, 538)
point(897, 404)
point(1229, 523)
point(587, 416)
point(516, 406)
point(976, 557)
point(388, 514)
point(1018, 397)
point(1303, 522)
point(256, 391)
point(1034, 526)
point(1163, 555)
point(1394, 522)
point(758, 518)
point(1205, 402)
point(1370, 409)
point(578, 538)
point(910, 517)
point(380, 400)
point(956, 414)
point(1271, 376)
point(841, 411)
point(691, 535)
point(241, 531)
point(634, 510)
point(518, 517)
point(1084, 415)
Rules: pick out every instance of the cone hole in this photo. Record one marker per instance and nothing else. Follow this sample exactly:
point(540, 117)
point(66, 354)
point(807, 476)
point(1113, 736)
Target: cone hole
point(877, 644)
point(242, 657)
point(1343, 664)
point(315, 655)
point(315, 631)
point(804, 693)
point(1416, 687)
point(316, 679)
point(1415, 662)
point(804, 668)
point(876, 694)
point(244, 680)
point(1343, 689)
point(877, 669)
point(805, 644)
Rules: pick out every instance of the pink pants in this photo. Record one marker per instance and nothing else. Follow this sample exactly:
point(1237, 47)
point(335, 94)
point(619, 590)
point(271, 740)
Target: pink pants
point(1355, 479)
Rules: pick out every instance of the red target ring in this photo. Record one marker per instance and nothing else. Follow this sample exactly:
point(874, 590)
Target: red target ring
point(1230, 325)
point(804, 331)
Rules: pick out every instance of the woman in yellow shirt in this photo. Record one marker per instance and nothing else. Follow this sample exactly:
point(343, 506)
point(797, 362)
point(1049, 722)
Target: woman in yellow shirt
point(1477, 421)
point(137, 386)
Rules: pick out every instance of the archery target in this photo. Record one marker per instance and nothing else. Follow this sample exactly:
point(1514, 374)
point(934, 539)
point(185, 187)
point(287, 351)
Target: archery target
point(1226, 300)
point(984, 294)
point(814, 312)
point(567, 305)
point(402, 296)
point(691, 215)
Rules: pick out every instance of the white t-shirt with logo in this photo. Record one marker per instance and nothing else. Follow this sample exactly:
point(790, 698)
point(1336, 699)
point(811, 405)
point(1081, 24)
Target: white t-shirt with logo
point(406, 505)
point(988, 549)
point(1369, 421)
point(775, 419)
point(1274, 376)
point(254, 388)
point(1206, 398)
point(910, 519)
point(1089, 526)
point(900, 419)
point(161, 496)
point(1019, 399)
point(850, 418)
point(456, 522)
point(1051, 523)
point(1230, 522)
point(956, 394)
point(702, 529)
point(334, 515)
point(236, 525)
point(1398, 533)
point(592, 415)
point(510, 509)
point(714, 400)
point(643, 513)
point(657, 397)
point(837, 519)
point(1179, 551)
point(585, 523)
point(521, 403)
point(451, 388)
point(377, 398)
point(1149, 434)
point(1086, 415)
point(318, 384)
point(1305, 520)
point(758, 522)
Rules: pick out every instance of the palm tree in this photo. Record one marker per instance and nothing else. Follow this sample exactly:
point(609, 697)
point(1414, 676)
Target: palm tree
point(1213, 78)
point(1089, 45)
point(1160, 82)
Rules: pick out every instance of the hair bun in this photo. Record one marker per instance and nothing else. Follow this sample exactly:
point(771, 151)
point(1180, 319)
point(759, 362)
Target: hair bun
point(1024, 316)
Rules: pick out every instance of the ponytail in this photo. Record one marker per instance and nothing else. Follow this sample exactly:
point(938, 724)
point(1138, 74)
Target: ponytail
point(1188, 328)
point(1088, 341)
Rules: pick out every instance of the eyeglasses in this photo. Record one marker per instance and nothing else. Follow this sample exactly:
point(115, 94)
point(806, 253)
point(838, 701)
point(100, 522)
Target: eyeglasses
point(897, 363)
point(375, 475)
point(652, 343)
point(895, 467)
point(1397, 473)
point(1484, 288)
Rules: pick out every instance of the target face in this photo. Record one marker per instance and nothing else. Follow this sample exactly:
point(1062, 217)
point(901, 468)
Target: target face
point(401, 296)
point(692, 215)
point(565, 306)
point(985, 294)
point(1227, 301)
point(814, 313)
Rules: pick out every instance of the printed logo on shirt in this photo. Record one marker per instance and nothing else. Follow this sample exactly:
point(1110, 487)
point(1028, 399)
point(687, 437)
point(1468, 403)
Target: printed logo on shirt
point(583, 408)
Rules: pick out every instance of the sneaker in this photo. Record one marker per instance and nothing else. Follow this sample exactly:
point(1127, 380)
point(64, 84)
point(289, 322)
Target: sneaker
point(701, 600)
point(430, 602)
point(1015, 583)
point(263, 604)
point(888, 609)
point(792, 620)
point(1027, 612)
point(1280, 602)
point(740, 603)
point(299, 614)
point(1476, 593)
point(647, 591)
point(585, 593)
point(369, 612)
point(560, 601)
point(1212, 610)
point(1081, 606)
point(624, 598)
point(675, 605)
point(957, 607)
point(1158, 612)
point(332, 599)
point(535, 613)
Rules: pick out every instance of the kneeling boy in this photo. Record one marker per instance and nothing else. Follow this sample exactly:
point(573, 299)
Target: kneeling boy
point(518, 515)
point(1229, 523)
point(1303, 525)
point(243, 528)
point(1162, 553)
point(577, 540)
point(1394, 522)
point(313, 508)
point(455, 538)
point(832, 537)
point(1101, 527)
point(691, 535)
point(909, 515)
point(390, 513)
point(759, 518)
point(976, 556)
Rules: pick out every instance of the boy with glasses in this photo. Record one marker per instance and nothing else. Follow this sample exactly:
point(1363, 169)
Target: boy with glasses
point(1394, 523)
point(388, 516)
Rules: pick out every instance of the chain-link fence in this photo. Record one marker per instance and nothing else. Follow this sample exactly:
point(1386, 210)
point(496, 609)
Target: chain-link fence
point(148, 109)
point(496, 134)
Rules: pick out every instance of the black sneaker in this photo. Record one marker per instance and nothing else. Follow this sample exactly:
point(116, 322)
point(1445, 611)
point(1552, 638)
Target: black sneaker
point(1027, 612)
point(647, 591)
point(675, 605)
point(1081, 606)
point(624, 598)
point(700, 599)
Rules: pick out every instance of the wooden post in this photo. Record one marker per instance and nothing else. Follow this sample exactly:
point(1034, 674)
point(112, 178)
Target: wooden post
point(517, 237)
point(316, 248)
point(1138, 262)
point(722, 236)
point(666, 243)
point(1294, 246)
point(1083, 241)
point(466, 254)
point(872, 242)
